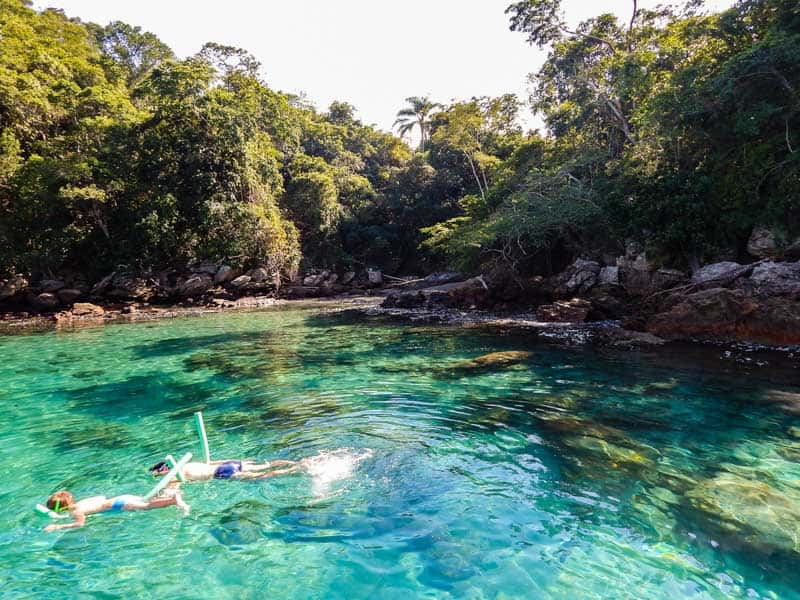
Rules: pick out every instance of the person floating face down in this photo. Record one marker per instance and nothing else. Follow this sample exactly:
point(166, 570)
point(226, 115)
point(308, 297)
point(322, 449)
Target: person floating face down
point(230, 469)
point(64, 501)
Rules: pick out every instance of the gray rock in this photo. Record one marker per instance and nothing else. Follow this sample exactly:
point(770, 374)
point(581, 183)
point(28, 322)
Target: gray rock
point(374, 276)
point(196, 285)
point(240, 281)
point(579, 277)
point(132, 288)
point(223, 275)
point(258, 275)
point(716, 271)
point(206, 268)
point(633, 249)
point(12, 287)
point(51, 285)
point(314, 280)
point(641, 263)
point(332, 279)
point(762, 243)
point(608, 276)
point(348, 278)
point(668, 278)
point(442, 278)
point(777, 278)
point(68, 295)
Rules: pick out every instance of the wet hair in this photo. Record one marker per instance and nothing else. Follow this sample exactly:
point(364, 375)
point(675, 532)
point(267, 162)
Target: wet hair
point(60, 501)
point(158, 468)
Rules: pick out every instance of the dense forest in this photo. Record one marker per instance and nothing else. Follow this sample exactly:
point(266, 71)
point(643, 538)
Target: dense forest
point(676, 129)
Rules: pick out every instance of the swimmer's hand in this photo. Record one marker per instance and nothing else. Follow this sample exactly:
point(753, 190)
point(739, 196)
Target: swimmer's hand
point(80, 520)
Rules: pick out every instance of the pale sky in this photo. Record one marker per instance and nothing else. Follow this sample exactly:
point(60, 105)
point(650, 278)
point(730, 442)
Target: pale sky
point(370, 53)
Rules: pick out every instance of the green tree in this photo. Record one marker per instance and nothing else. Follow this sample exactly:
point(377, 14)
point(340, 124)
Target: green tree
point(416, 115)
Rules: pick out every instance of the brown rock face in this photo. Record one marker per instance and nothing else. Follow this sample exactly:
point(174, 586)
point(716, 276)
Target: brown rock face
point(572, 311)
point(722, 313)
point(86, 309)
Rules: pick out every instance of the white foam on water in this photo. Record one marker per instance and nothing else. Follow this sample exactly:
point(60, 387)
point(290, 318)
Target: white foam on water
point(330, 466)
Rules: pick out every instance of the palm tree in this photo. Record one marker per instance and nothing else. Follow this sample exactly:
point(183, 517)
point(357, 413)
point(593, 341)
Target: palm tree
point(416, 115)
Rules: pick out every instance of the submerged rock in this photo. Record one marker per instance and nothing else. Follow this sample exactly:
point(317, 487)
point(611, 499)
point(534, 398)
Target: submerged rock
point(493, 360)
point(762, 514)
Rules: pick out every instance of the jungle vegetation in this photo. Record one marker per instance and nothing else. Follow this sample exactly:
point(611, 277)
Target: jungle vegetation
point(676, 128)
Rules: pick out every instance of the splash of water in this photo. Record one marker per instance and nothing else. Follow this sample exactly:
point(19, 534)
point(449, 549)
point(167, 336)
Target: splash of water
point(330, 466)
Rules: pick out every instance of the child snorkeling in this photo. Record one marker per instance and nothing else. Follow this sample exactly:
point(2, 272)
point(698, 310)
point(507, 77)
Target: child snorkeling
point(229, 469)
point(63, 501)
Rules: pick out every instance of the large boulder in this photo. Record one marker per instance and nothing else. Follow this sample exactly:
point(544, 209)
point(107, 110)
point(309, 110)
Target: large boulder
point(205, 268)
point(259, 275)
point(718, 272)
point(348, 277)
point(578, 278)
point(223, 275)
point(571, 311)
point(196, 285)
point(68, 295)
point(776, 278)
point(608, 276)
point(721, 313)
point(240, 281)
point(131, 288)
point(44, 302)
point(762, 243)
point(315, 279)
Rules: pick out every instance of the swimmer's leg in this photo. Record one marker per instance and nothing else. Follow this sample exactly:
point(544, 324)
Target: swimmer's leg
point(251, 467)
point(266, 474)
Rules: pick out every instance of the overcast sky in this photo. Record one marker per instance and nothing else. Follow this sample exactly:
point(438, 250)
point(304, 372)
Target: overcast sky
point(370, 53)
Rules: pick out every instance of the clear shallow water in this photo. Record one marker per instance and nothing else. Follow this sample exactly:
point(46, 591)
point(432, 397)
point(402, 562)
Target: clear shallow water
point(563, 473)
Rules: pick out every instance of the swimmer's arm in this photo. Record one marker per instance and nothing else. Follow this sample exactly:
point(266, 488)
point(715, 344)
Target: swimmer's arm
point(80, 521)
point(180, 503)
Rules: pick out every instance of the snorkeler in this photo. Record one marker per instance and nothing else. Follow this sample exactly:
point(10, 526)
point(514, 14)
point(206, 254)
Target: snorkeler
point(63, 501)
point(229, 469)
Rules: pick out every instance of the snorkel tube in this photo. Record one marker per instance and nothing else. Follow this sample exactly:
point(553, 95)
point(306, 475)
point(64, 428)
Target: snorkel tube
point(165, 481)
point(201, 431)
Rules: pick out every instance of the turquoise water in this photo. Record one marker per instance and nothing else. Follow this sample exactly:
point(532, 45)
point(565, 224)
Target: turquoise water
point(555, 472)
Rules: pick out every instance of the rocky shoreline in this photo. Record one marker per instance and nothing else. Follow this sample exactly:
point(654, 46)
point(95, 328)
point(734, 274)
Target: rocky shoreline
point(726, 302)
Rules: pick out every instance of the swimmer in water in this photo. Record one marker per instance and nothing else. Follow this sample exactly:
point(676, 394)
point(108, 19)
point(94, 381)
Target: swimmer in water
point(230, 469)
point(62, 501)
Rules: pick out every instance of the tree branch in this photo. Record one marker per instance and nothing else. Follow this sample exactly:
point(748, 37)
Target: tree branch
point(628, 40)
